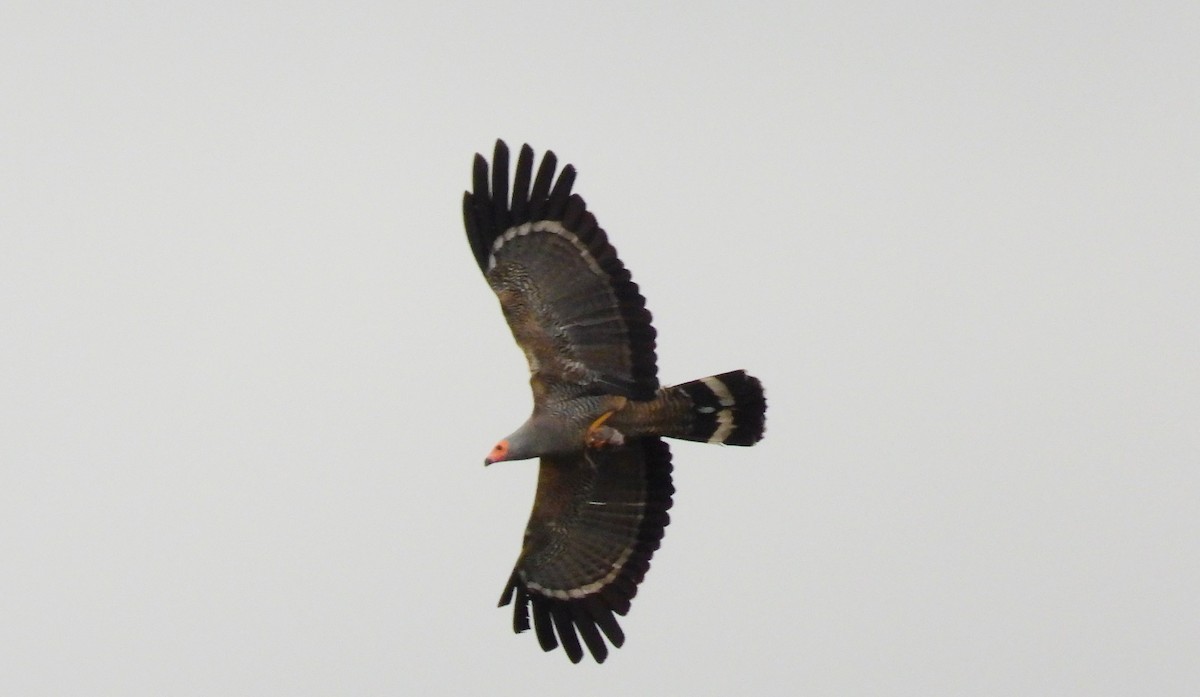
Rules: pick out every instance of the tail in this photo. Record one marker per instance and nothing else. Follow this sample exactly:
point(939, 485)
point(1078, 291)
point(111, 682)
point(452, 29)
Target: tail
point(728, 408)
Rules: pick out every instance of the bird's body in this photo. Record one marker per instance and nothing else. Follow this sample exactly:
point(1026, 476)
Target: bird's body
point(599, 416)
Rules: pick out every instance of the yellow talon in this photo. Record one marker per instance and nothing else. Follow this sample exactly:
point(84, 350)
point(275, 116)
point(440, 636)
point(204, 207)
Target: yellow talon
point(600, 421)
point(598, 435)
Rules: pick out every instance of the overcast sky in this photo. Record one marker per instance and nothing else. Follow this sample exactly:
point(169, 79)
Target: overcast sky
point(249, 370)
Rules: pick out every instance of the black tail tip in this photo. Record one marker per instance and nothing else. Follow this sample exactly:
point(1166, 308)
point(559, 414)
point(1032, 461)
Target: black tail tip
point(750, 407)
point(730, 408)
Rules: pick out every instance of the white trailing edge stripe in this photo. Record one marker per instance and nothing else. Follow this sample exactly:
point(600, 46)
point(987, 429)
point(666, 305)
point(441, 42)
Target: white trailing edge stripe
point(586, 590)
point(551, 226)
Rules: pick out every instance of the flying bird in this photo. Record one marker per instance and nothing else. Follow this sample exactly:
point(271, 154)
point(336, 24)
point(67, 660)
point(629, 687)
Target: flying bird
point(599, 413)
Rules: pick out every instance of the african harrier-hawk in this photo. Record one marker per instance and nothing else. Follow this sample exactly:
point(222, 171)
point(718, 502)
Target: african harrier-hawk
point(599, 415)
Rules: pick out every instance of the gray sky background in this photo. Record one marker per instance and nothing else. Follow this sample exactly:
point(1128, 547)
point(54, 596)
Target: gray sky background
point(249, 369)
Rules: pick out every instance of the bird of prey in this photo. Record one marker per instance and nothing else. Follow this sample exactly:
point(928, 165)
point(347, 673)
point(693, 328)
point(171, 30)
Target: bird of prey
point(599, 414)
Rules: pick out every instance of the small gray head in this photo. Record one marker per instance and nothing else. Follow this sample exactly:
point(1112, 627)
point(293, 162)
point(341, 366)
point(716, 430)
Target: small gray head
point(540, 435)
point(518, 446)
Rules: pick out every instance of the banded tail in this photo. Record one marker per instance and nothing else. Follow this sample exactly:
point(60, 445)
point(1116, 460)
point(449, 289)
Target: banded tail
point(729, 408)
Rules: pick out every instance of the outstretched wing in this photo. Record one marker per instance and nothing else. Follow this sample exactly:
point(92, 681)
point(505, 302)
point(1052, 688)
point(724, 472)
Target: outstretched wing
point(568, 299)
point(596, 521)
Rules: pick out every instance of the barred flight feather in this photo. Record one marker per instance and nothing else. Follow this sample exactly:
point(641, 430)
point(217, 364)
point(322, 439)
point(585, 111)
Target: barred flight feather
point(557, 612)
point(490, 216)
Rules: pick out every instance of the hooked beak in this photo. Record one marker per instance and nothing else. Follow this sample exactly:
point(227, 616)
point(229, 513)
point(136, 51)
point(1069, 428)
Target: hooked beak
point(500, 452)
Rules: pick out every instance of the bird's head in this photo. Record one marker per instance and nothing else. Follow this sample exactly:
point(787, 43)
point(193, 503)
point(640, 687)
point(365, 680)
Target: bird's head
point(522, 444)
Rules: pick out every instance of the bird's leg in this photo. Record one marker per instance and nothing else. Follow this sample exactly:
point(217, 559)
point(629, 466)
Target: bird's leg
point(598, 435)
